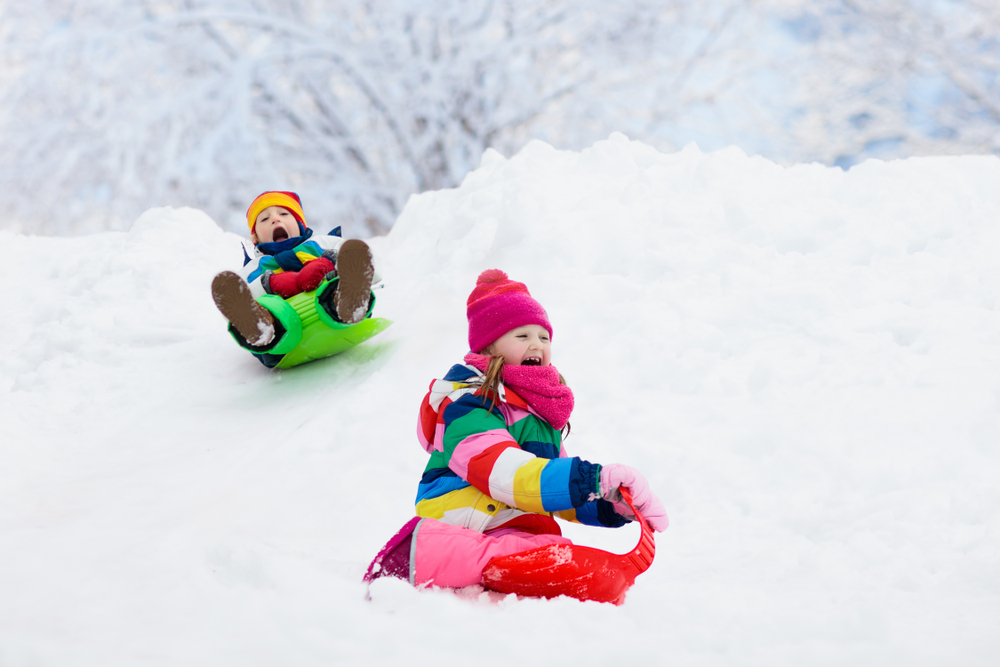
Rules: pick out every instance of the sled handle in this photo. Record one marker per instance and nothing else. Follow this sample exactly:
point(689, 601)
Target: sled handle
point(641, 557)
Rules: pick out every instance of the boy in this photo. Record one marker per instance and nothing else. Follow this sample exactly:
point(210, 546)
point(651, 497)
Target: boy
point(287, 260)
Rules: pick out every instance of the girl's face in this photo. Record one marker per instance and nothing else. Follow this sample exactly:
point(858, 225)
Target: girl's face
point(524, 346)
point(275, 223)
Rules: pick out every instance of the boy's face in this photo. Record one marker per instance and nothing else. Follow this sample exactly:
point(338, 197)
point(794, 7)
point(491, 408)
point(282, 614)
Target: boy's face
point(524, 346)
point(275, 223)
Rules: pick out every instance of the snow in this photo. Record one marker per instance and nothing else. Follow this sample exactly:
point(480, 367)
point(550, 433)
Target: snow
point(805, 363)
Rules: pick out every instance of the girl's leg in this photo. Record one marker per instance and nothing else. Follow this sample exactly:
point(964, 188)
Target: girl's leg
point(445, 555)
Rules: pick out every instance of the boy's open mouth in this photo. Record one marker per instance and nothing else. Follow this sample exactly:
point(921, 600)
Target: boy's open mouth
point(531, 361)
point(279, 235)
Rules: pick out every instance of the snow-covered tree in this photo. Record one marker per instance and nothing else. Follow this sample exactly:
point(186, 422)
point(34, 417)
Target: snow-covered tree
point(892, 78)
point(109, 108)
point(356, 105)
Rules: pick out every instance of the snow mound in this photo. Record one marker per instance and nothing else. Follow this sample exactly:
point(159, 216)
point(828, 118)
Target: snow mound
point(804, 361)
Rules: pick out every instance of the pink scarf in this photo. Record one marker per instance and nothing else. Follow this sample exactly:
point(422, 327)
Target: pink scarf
point(538, 385)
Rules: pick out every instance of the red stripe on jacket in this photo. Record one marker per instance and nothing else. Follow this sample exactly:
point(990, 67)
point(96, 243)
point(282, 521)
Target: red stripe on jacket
point(481, 465)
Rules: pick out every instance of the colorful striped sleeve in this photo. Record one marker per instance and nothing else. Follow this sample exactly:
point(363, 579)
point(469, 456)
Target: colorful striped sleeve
point(483, 452)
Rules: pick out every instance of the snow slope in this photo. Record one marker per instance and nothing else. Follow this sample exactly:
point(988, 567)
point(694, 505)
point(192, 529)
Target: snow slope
point(804, 361)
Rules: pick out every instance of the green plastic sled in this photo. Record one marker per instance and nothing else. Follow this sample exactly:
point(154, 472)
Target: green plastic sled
point(310, 333)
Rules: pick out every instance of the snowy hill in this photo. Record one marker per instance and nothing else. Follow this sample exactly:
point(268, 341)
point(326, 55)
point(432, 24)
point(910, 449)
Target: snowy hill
point(804, 361)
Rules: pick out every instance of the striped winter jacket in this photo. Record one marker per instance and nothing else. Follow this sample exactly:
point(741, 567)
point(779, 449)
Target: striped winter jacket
point(503, 466)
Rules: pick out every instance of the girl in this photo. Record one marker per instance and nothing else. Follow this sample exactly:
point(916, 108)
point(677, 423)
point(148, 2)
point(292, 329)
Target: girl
point(497, 473)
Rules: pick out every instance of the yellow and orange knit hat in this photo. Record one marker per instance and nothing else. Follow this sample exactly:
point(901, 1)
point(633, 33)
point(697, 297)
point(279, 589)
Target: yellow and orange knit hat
point(288, 200)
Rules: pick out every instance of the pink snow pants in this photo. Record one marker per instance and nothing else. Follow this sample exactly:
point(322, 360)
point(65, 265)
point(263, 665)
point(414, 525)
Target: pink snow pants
point(452, 556)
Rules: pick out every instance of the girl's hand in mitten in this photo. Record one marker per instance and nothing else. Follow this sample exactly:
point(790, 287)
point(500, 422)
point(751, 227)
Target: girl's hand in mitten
point(284, 284)
point(313, 272)
point(615, 475)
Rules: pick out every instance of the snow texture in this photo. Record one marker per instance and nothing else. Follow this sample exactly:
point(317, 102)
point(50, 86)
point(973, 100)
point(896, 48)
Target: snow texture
point(266, 333)
point(805, 363)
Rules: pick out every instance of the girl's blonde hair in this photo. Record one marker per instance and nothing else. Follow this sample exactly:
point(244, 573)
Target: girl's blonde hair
point(490, 388)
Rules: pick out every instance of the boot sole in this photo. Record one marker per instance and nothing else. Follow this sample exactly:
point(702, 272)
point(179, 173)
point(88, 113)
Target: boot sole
point(354, 268)
point(233, 298)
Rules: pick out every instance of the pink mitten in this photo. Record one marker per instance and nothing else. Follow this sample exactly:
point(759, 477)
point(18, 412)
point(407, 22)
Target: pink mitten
point(615, 475)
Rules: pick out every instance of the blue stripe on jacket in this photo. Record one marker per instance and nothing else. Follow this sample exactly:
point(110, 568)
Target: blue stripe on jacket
point(466, 404)
point(543, 450)
point(459, 373)
point(555, 486)
point(438, 482)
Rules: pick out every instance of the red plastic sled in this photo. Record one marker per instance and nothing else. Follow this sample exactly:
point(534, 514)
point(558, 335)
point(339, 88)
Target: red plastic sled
point(580, 572)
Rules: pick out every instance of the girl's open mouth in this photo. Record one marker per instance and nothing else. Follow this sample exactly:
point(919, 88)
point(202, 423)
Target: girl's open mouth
point(531, 362)
point(279, 235)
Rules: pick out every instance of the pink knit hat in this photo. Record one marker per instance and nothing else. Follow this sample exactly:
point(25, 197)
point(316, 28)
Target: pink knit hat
point(499, 304)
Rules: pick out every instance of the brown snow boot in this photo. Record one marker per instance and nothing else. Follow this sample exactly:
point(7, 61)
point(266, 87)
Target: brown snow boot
point(253, 321)
point(355, 271)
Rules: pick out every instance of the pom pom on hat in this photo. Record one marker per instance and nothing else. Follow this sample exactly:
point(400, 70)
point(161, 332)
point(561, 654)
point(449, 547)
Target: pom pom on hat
point(497, 305)
point(288, 200)
point(493, 276)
